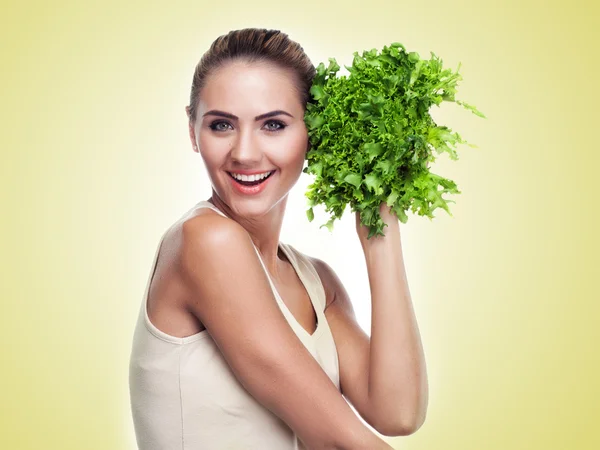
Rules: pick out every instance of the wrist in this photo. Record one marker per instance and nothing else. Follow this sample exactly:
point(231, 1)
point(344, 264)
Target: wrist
point(391, 236)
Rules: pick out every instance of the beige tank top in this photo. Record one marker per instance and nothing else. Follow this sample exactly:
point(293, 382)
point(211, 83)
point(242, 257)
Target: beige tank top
point(185, 396)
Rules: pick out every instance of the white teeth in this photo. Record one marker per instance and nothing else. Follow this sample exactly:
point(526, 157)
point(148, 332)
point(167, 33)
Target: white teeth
point(256, 177)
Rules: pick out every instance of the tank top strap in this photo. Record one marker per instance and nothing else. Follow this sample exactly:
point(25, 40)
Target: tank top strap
point(310, 273)
point(207, 204)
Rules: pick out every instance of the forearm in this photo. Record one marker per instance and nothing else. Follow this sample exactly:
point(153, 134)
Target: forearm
point(361, 438)
point(398, 389)
point(346, 432)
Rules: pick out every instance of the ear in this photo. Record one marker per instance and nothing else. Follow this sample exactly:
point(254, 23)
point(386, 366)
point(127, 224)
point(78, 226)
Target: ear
point(191, 130)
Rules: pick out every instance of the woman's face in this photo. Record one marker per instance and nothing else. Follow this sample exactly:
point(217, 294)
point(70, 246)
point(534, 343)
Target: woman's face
point(250, 120)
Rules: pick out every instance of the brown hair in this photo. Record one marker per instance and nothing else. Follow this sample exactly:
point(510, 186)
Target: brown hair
point(254, 45)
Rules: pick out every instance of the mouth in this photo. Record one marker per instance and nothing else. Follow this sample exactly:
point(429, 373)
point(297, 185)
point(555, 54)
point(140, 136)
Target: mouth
point(251, 183)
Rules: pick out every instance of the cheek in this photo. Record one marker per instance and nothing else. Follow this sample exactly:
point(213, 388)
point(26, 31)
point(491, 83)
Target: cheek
point(212, 148)
point(291, 149)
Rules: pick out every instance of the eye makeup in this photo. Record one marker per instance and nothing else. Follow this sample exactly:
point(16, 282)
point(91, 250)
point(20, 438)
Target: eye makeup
point(215, 125)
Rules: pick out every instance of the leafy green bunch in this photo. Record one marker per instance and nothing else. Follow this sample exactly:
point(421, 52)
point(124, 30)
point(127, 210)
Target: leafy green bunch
point(372, 137)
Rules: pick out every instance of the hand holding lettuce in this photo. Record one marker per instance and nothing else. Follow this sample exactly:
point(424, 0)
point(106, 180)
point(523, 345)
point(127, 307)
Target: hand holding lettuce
point(372, 137)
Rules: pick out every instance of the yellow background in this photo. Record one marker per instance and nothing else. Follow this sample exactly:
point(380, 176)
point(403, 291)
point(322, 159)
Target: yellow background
point(96, 163)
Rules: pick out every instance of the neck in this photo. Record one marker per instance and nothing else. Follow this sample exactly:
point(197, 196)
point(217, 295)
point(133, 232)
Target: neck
point(264, 230)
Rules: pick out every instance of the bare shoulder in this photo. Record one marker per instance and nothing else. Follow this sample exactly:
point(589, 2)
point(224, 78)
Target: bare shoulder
point(208, 223)
point(209, 242)
point(183, 247)
point(196, 237)
point(208, 228)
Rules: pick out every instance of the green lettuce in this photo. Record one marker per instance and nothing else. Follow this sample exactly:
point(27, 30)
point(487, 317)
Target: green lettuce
point(372, 137)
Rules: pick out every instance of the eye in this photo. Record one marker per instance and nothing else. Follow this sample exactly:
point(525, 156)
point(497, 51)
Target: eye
point(278, 125)
point(216, 125)
point(271, 125)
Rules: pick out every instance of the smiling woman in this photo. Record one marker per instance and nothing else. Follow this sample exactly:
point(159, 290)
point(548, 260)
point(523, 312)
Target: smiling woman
point(232, 348)
point(250, 120)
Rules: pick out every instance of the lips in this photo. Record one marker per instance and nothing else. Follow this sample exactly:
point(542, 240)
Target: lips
point(250, 187)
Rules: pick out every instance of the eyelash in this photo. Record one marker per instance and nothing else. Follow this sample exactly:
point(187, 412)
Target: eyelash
point(213, 125)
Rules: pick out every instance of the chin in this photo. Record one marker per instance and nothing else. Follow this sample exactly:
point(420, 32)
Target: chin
point(253, 207)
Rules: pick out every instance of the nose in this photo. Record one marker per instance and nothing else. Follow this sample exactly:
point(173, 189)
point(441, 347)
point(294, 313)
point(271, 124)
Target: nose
point(245, 150)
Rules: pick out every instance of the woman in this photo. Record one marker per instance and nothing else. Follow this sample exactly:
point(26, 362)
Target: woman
point(244, 342)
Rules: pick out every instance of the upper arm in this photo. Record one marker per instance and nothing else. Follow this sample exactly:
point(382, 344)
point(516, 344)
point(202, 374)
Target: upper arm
point(352, 343)
point(232, 297)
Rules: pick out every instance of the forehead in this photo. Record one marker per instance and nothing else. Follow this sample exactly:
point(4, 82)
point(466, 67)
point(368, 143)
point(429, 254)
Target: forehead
point(241, 87)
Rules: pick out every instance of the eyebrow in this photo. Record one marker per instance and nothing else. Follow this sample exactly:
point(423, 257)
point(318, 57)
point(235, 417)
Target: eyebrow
point(216, 112)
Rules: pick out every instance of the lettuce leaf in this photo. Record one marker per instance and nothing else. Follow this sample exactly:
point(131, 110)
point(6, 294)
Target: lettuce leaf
point(372, 137)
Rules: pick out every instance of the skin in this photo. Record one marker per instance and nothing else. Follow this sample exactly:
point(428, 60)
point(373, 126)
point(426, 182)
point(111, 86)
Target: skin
point(248, 91)
point(384, 376)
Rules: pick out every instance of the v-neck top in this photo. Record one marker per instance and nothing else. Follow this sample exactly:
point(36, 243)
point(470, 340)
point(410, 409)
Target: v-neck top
point(185, 396)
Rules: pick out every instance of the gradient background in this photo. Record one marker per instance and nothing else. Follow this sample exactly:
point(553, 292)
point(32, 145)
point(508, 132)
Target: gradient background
point(96, 164)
